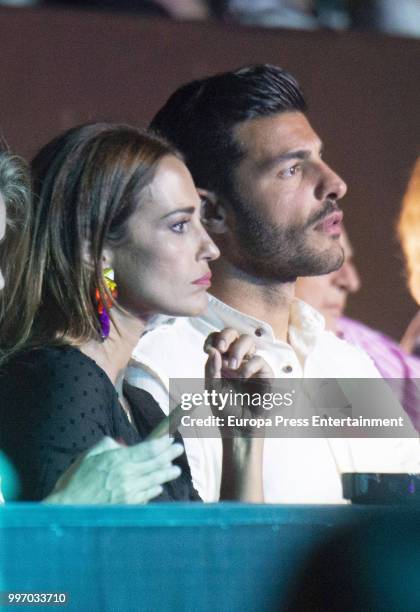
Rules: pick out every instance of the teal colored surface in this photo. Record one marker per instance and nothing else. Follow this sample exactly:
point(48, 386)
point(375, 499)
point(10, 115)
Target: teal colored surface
point(164, 557)
point(9, 480)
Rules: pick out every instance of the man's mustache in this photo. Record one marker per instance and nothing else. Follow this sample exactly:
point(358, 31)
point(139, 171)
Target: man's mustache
point(329, 207)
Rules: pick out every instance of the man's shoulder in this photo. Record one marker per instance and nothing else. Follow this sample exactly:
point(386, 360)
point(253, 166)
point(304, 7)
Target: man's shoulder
point(168, 335)
point(174, 348)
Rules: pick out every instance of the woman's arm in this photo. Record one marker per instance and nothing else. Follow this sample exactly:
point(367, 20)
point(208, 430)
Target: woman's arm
point(231, 362)
point(56, 405)
point(242, 469)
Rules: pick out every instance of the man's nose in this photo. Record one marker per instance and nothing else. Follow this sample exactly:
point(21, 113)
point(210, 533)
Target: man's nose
point(331, 185)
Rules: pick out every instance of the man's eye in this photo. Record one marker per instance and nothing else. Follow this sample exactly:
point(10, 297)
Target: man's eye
point(180, 227)
point(292, 171)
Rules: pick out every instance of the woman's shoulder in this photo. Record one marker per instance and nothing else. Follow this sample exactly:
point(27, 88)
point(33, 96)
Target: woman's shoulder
point(57, 370)
point(55, 357)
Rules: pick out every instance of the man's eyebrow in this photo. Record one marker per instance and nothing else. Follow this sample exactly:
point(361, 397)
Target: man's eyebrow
point(302, 154)
point(189, 210)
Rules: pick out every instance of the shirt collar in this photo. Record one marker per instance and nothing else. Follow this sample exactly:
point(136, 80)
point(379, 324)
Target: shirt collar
point(305, 326)
point(305, 323)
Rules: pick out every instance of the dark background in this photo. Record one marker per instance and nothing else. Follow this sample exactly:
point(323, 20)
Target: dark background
point(62, 67)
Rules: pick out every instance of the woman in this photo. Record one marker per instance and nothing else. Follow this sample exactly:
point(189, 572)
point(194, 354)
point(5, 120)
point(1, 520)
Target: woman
point(85, 486)
point(105, 197)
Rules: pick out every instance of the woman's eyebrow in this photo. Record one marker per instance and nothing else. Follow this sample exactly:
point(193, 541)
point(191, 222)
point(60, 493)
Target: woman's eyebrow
point(189, 209)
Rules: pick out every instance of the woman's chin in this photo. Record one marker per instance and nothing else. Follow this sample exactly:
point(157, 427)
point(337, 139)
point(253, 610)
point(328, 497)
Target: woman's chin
point(192, 308)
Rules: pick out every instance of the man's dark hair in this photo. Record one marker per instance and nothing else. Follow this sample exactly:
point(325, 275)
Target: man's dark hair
point(200, 116)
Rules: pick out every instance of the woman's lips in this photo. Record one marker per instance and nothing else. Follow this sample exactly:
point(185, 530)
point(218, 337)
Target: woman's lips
point(204, 280)
point(331, 225)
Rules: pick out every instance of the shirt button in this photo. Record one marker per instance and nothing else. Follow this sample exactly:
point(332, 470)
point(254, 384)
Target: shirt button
point(259, 332)
point(287, 369)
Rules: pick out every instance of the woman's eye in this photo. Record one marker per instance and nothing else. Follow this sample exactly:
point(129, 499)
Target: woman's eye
point(180, 227)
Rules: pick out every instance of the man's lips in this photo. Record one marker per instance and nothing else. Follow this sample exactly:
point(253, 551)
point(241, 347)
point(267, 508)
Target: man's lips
point(331, 224)
point(204, 280)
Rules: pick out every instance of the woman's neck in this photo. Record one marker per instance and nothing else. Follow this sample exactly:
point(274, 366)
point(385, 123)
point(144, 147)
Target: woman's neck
point(114, 353)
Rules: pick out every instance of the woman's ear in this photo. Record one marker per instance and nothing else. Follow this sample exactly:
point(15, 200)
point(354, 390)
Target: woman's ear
point(107, 256)
point(213, 213)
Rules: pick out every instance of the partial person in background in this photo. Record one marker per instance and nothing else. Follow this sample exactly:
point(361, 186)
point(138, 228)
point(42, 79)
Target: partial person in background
point(297, 14)
point(409, 234)
point(14, 200)
point(190, 10)
point(329, 294)
point(397, 17)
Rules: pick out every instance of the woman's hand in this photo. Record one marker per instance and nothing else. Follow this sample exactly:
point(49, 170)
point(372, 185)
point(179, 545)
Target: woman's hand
point(110, 473)
point(233, 370)
point(232, 355)
point(231, 363)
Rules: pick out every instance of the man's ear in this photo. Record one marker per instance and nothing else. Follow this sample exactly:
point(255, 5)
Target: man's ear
point(213, 213)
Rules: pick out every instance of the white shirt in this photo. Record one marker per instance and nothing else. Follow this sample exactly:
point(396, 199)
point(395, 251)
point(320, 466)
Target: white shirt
point(295, 470)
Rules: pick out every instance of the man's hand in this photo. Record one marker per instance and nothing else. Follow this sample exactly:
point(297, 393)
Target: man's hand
point(110, 473)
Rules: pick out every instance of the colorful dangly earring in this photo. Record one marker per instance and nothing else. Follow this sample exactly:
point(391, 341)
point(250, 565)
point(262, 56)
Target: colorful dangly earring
point(102, 311)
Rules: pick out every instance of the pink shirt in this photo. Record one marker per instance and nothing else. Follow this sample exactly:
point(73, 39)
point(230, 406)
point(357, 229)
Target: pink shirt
point(391, 361)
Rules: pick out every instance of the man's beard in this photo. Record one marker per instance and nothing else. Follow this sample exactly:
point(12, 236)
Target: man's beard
point(281, 253)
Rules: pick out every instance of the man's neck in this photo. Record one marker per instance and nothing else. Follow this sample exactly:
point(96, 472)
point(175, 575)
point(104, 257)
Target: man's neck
point(269, 302)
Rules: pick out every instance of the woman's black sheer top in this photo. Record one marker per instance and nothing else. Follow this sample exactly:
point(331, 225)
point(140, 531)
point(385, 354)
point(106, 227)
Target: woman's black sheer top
point(55, 403)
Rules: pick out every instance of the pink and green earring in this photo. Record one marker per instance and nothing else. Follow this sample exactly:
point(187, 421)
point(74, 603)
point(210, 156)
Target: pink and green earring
point(103, 311)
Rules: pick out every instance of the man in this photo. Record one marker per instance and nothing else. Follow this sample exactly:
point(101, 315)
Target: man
point(328, 294)
point(270, 202)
